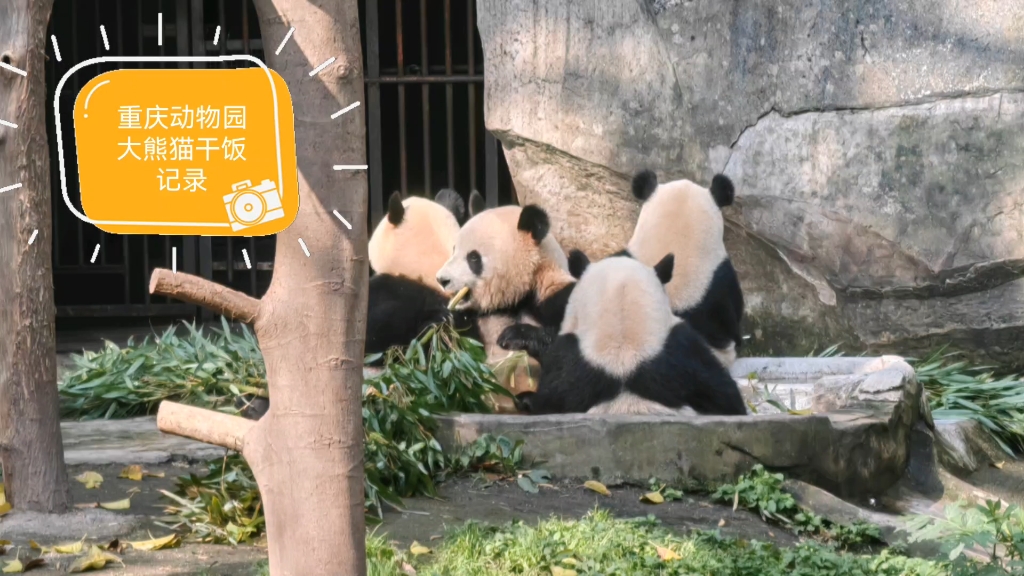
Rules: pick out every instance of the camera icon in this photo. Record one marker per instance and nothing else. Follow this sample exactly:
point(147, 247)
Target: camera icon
point(249, 205)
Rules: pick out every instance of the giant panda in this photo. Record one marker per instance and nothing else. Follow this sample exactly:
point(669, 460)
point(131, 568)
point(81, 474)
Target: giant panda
point(685, 219)
point(621, 350)
point(405, 252)
point(515, 272)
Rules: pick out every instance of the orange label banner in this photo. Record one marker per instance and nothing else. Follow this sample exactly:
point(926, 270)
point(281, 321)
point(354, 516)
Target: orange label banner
point(207, 152)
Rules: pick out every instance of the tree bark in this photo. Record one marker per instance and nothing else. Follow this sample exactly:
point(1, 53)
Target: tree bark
point(307, 451)
point(30, 441)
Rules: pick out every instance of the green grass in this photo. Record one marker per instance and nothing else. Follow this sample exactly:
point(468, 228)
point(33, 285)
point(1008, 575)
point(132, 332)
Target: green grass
point(599, 544)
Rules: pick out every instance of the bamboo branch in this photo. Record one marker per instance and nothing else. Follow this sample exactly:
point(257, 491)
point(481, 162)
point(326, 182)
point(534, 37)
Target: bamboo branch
point(195, 290)
point(203, 425)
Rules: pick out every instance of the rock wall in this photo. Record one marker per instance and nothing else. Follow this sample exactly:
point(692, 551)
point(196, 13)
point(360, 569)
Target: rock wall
point(877, 148)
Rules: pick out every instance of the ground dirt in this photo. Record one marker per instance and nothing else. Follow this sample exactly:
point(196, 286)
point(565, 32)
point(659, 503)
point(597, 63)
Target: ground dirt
point(422, 519)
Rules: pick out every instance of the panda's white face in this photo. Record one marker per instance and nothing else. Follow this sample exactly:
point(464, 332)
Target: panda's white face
point(493, 259)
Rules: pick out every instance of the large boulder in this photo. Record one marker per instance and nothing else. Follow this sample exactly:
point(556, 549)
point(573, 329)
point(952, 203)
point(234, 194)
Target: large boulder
point(877, 148)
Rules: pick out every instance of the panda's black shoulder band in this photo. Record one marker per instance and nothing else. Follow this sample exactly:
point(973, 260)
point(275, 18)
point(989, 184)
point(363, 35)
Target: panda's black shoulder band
point(396, 212)
point(534, 219)
point(644, 183)
point(722, 190)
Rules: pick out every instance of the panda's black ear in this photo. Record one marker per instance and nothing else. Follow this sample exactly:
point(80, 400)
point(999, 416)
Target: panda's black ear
point(396, 212)
point(722, 190)
point(476, 203)
point(578, 262)
point(534, 219)
point(451, 200)
point(664, 268)
point(644, 183)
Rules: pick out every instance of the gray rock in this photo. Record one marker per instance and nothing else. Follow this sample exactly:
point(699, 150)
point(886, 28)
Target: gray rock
point(131, 441)
point(19, 526)
point(875, 146)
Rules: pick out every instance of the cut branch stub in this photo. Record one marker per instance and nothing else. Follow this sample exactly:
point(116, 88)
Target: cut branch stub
point(203, 425)
point(195, 290)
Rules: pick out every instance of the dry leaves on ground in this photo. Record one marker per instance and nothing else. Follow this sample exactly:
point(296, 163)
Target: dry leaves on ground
point(597, 487)
point(92, 480)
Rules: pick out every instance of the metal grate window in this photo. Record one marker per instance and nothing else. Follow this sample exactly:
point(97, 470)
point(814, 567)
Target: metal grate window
point(423, 67)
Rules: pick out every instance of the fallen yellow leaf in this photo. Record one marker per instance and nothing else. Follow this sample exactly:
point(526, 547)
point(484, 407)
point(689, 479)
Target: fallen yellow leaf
point(5, 542)
point(558, 571)
point(117, 504)
point(418, 549)
point(667, 554)
point(999, 464)
point(157, 543)
point(96, 559)
point(3, 493)
point(5, 508)
point(13, 567)
point(652, 498)
point(721, 522)
point(133, 472)
point(90, 479)
point(71, 548)
point(597, 487)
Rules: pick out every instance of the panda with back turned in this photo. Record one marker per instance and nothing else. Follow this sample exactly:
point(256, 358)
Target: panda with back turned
point(684, 219)
point(621, 350)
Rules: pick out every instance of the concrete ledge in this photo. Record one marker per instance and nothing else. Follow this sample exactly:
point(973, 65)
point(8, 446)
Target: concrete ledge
point(131, 441)
point(855, 445)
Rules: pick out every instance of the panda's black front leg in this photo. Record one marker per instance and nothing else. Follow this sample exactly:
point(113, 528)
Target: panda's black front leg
point(533, 340)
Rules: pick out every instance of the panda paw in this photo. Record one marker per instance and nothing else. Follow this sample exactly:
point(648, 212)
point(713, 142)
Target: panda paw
point(519, 337)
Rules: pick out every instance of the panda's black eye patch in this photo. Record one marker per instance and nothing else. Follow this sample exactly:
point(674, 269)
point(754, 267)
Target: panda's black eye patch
point(476, 263)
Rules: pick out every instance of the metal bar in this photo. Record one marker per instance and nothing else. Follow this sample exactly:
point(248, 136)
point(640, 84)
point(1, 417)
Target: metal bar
point(425, 63)
point(76, 87)
point(403, 158)
point(122, 310)
point(470, 45)
point(437, 69)
point(425, 80)
point(223, 40)
point(374, 136)
point(450, 117)
point(491, 166)
point(90, 269)
point(245, 27)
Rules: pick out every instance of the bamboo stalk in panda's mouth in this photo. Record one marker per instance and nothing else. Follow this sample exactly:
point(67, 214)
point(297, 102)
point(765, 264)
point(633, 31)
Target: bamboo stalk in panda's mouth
point(458, 296)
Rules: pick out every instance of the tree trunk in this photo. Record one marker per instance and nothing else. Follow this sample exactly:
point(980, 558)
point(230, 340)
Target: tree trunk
point(30, 442)
point(307, 451)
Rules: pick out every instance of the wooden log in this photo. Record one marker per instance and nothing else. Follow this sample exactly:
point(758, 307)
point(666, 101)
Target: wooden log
point(200, 291)
point(203, 425)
